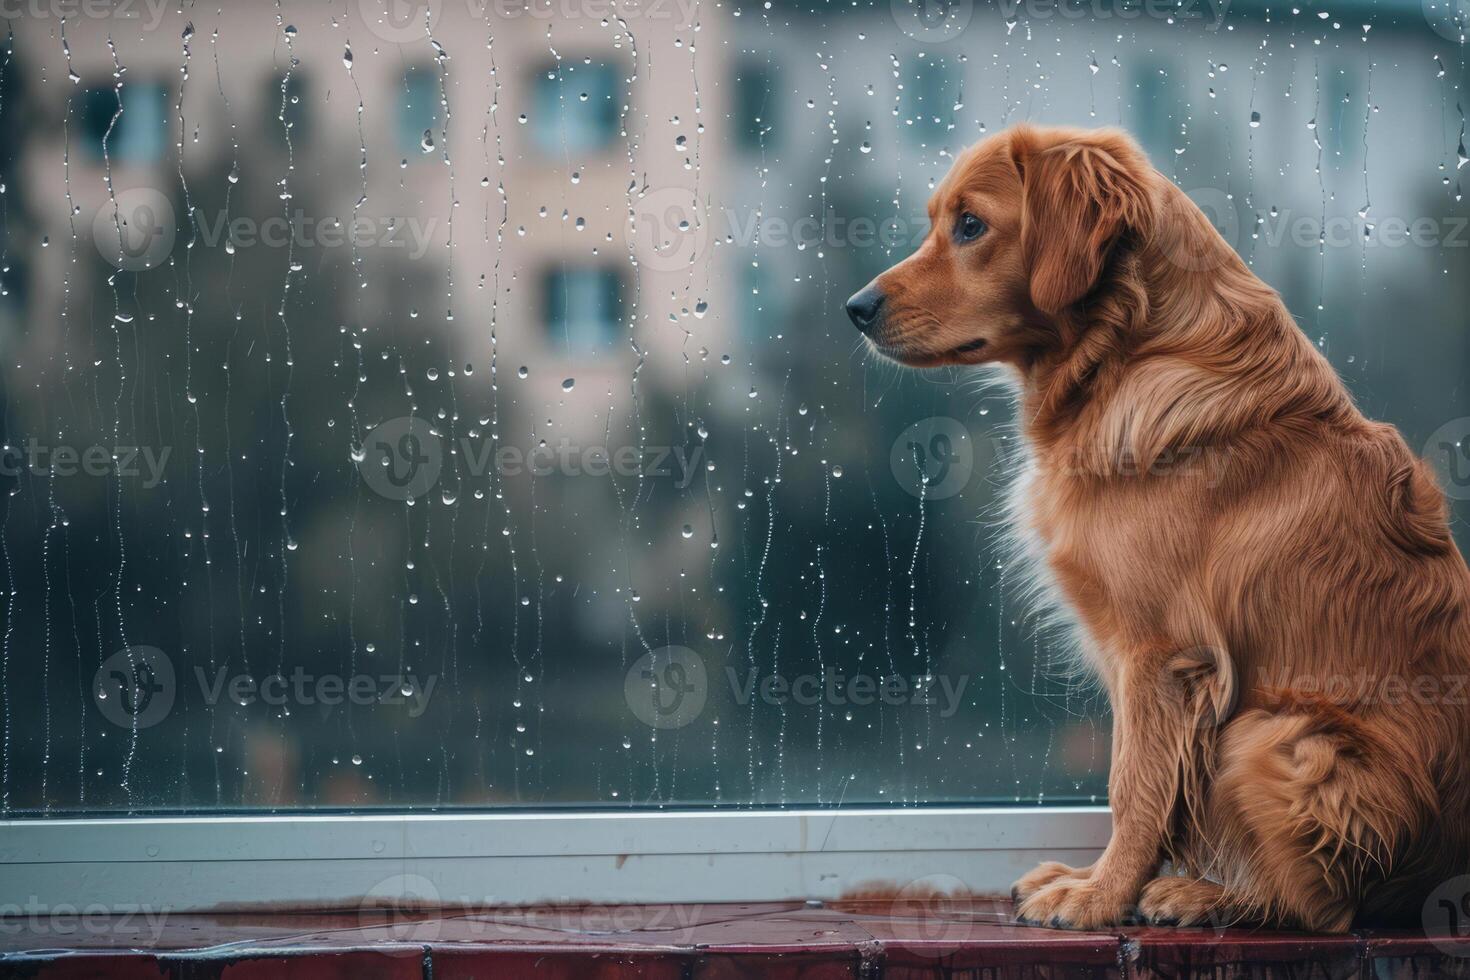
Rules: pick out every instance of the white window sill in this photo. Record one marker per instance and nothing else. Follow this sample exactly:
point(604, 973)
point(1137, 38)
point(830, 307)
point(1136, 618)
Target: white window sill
point(226, 863)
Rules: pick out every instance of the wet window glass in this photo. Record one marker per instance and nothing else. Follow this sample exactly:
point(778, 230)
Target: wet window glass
point(452, 404)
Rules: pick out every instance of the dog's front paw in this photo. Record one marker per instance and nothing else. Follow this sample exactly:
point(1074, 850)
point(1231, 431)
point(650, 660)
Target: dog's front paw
point(1181, 902)
point(1073, 903)
point(1037, 879)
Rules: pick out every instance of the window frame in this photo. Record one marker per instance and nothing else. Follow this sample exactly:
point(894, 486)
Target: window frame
point(183, 864)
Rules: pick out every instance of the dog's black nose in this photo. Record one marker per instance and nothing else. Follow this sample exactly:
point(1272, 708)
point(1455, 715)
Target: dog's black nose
point(865, 307)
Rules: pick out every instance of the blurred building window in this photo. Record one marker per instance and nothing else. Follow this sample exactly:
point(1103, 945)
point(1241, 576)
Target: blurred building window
point(1154, 116)
point(931, 88)
point(756, 306)
point(1343, 111)
point(873, 232)
point(141, 131)
point(756, 104)
point(583, 307)
point(286, 99)
point(418, 112)
point(576, 108)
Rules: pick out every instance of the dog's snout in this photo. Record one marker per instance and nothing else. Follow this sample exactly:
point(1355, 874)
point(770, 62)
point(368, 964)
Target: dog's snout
point(865, 308)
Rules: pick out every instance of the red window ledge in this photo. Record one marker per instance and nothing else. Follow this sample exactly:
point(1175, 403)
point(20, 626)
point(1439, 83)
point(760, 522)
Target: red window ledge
point(873, 939)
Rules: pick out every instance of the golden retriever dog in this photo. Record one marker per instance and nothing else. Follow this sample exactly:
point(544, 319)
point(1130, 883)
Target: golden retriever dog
point(1262, 580)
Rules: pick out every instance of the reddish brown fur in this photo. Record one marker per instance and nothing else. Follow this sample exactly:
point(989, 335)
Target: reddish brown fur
point(1230, 535)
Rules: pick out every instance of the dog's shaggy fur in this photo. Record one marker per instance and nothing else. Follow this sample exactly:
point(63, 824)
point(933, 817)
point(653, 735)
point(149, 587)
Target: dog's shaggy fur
point(1264, 581)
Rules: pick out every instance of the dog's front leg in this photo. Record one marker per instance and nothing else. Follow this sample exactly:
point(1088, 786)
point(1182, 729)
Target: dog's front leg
point(1153, 727)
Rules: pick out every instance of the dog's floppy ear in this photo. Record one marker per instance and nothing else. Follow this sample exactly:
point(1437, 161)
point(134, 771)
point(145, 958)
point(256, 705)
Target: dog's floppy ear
point(1078, 197)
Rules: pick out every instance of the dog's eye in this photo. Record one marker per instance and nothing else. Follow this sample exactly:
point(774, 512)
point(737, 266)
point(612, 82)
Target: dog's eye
point(969, 228)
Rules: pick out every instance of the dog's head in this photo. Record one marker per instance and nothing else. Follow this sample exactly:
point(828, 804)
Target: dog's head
point(1020, 229)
